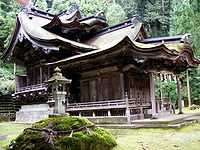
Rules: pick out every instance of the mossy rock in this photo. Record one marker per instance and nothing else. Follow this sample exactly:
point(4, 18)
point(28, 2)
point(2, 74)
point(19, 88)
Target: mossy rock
point(91, 138)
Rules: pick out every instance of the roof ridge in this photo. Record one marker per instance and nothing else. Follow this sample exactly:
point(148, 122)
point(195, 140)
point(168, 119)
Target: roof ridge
point(115, 27)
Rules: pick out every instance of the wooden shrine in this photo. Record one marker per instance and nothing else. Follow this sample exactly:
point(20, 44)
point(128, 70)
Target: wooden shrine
point(111, 67)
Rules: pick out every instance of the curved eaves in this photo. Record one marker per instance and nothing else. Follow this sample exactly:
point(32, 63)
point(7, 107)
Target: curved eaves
point(153, 52)
point(189, 57)
point(162, 51)
point(39, 34)
point(125, 42)
point(45, 48)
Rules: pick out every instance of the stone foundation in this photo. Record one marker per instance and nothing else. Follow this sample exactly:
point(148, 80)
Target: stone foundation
point(112, 119)
point(32, 113)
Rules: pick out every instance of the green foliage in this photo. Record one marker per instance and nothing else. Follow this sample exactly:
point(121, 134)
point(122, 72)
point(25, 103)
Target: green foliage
point(7, 87)
point(129, 6)
point(59, 6)
point(8, 11)
point(94, 139)
point(168, 89)
point(113, 11)
point(186, 20)
point(157, 17)
point(155, 14)
point(7, 84)
point(194, 79)
point(7, 16)
point(115, 14)
point(41, 4)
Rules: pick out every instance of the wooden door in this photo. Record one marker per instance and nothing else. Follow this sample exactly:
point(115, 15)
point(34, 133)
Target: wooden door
point(138, 87)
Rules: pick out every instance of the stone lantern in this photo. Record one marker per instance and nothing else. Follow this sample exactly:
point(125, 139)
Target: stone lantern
point(58, 84)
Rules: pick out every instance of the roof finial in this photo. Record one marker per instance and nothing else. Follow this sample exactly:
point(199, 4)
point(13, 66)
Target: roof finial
point(57, 69)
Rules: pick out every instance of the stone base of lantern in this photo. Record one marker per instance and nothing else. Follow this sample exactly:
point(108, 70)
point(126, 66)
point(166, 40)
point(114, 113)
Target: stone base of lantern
point(59, 107)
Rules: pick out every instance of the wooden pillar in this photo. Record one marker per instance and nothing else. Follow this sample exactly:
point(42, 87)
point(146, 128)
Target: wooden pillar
point(158, 106)
point(48, 72)
point(109, 114)
point(179, 95)
point(122, 85)
point(128, 114)
point(14, 68)
point(161, 94)
point(188, 90)
point(40, 74)
point(93, 114)
point(152, 96)
point(14, 72)
point(141, 113)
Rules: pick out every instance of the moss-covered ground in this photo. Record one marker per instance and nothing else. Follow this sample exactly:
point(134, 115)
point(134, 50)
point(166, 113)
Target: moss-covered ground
point(187, 138)
point(186, 110)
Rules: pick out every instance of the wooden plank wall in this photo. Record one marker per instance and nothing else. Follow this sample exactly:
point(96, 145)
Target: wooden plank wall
point(101, 85)
point(138, 86)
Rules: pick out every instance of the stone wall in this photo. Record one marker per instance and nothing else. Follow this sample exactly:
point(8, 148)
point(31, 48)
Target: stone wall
point(32, 113)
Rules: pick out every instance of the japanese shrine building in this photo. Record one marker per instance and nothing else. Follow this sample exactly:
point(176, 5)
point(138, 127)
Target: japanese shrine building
point(111, 68)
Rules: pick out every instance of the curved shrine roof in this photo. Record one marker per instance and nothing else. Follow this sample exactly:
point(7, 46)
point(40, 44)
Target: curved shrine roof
point(39, 29)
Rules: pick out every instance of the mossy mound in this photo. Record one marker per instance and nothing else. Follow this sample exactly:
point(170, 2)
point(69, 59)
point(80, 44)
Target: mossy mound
point(64, 133)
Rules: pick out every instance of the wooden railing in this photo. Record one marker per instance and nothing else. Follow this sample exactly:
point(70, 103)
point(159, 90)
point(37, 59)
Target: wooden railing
point(42, 86)
point(139, 102)
point(97, 105)
point(106, 104)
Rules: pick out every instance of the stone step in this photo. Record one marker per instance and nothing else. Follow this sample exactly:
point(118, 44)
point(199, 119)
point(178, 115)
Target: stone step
point(172, 119)
point(117, 126)
point(7, 111)
point(7, 108)
point(182, 124)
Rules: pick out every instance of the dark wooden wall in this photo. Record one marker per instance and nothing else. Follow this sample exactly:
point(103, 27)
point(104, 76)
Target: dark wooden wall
point(111, 84)
point(34, 75)
point(138, 86)
point(21, 81)
point(101, 85)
